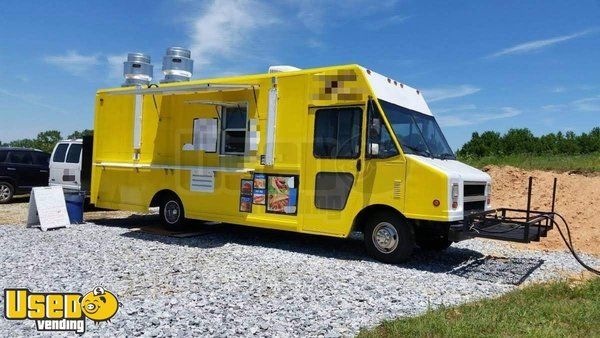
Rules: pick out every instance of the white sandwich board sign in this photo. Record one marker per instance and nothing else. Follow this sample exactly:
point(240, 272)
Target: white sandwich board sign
point(47, 208)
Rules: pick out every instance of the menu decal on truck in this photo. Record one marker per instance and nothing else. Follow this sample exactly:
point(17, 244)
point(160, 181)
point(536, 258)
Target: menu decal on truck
point(246, 188)
point(282, 194)
point(260, 192)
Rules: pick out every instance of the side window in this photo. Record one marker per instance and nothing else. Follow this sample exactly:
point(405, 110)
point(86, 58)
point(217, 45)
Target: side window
point(233, 130)
point(60, 153)
point(337, 133)
point(380, 143)
point(74, 153)
point(40, 158)
point(3, 154)
point(20, 157)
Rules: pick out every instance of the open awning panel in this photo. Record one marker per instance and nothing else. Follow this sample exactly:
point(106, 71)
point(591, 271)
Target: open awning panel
point(186, 89)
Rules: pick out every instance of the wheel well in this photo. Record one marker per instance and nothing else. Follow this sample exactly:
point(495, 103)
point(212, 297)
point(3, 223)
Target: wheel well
point(10, 181)
point(364, 214)
point(155, 202)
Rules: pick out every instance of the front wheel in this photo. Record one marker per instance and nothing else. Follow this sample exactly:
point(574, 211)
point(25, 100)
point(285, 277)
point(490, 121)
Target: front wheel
point(389, 238)
point(172, 214)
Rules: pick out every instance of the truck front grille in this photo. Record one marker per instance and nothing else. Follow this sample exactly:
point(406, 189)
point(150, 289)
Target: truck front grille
point(474, 189)
point(474, 197)
point(474, 206)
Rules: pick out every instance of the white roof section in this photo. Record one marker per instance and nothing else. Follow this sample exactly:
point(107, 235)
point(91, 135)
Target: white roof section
point(393, 91)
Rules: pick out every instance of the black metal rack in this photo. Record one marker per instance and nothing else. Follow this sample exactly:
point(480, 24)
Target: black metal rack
point(507, 224)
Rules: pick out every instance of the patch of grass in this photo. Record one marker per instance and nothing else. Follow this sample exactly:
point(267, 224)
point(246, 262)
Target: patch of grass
point(543, 310)
point(584, 163)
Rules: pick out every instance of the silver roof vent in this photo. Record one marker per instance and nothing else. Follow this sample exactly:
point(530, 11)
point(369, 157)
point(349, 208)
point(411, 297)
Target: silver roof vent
point(177, 65)
point(137, 69)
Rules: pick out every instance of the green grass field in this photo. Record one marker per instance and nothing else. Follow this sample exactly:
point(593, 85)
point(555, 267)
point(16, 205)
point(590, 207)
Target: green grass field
point(584, 163)
point(542, 310)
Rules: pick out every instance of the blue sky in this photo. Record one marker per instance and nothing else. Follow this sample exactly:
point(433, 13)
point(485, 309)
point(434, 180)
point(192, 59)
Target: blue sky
point(482, 65)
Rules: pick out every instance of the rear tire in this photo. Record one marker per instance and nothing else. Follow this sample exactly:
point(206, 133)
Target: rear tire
point(389, 238)
point(172, 214)
point(7, 192)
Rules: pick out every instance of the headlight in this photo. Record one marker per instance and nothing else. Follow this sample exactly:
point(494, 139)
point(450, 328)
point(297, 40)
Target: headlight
point(454, 195)
point(488, 193)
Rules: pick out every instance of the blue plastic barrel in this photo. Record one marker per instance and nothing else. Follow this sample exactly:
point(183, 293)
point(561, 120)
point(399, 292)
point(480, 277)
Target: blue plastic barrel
point(74, 201)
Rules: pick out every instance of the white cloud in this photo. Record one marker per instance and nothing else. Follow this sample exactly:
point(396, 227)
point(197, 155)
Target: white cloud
point(465, 119)
point(311, 14)
point(444, 93)
point(224, 28)
point(458, 108)
point(539, 44)
point(22, 78)
point(73, 62)
point(389, 21)
point(315, 15)
point(584, 105)
point(115, 66)
point(553, 107)
point(314, 43)
point(590, 104)
point(559, 89)
point(32, 100)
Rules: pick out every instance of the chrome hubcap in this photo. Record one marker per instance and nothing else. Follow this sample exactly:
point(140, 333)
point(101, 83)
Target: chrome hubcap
point(4, 192)
point(385, 237)
point(172, 212)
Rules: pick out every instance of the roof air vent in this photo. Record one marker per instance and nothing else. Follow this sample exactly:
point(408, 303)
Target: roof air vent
point(280, 69)
point(177, 65)
point(137, 69)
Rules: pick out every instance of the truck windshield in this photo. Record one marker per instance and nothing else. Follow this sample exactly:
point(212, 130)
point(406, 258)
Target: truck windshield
point(418, 133)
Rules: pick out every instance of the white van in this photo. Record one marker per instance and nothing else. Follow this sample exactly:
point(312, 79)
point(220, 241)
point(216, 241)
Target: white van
point(70, 164)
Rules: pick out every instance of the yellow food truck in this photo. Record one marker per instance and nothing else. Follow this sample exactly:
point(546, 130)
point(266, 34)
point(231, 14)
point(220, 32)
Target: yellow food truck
point(324, 151)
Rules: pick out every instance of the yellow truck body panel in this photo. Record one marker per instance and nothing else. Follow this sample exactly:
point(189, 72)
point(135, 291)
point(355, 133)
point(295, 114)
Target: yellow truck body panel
point(169, 159)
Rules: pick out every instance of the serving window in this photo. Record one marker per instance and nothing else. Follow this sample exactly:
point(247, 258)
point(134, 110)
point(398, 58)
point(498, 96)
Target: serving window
point(233, 130)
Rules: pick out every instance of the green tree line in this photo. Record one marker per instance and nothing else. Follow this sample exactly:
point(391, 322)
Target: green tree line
point(46, 140)
point(522, 141)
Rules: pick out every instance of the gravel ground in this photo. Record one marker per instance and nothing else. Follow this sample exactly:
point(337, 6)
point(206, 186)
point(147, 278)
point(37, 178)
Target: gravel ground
point(245, 281)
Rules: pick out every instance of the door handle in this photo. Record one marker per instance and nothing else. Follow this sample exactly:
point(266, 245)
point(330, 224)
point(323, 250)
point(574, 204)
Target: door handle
point(13, 169)
point(358, 165)
point(43, 171)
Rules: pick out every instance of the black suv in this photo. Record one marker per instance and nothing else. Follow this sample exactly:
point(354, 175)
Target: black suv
point(20, 170)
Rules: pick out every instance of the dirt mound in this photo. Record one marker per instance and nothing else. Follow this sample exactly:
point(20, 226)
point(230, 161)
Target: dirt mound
point(577, 199)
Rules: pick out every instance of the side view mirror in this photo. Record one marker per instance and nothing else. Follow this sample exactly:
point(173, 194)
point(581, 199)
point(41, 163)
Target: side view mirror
point(376, 125)
point(374, 147)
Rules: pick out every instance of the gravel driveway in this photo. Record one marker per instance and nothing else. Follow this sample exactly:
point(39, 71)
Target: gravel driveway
point(244, 281)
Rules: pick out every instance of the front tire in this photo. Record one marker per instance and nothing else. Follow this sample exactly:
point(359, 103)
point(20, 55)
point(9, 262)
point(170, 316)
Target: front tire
point(172, 214)
point(389, 238)
point(7, 192)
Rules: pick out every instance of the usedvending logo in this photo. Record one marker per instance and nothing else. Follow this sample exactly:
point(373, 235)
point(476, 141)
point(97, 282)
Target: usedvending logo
point(63, 311)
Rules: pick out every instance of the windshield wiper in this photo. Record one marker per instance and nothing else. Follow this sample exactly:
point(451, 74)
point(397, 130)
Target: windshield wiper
point(447, 156)
point(424, 152)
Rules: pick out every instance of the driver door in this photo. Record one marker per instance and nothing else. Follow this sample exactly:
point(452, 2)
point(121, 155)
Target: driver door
point(334, 162)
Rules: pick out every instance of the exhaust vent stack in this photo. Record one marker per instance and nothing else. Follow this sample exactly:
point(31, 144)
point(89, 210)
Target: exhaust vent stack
point(137, 69)
point(177, 65)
